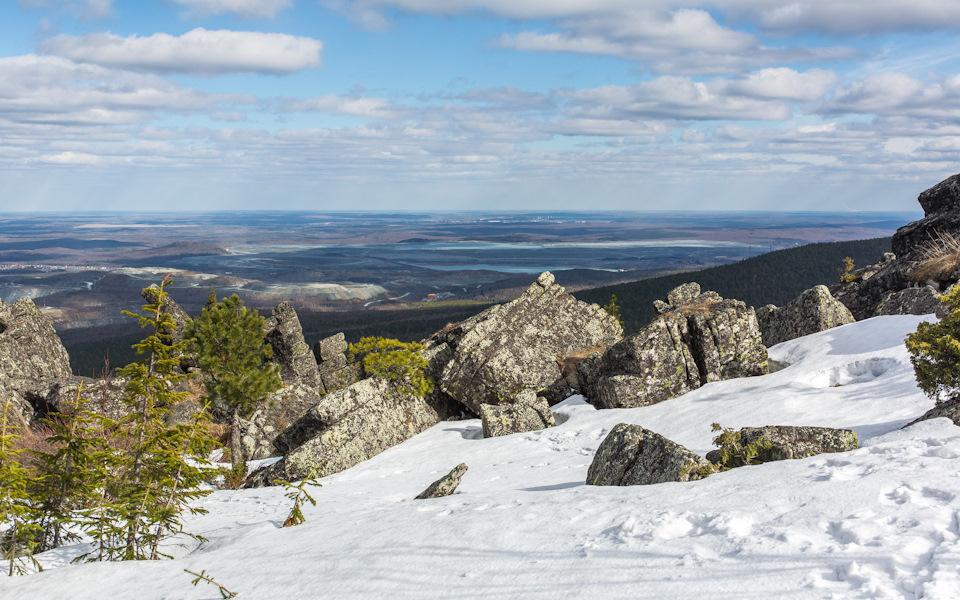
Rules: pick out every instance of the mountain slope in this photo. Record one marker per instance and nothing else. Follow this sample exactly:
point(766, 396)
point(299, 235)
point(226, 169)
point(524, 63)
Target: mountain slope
point(880, 521)
point(772, 278)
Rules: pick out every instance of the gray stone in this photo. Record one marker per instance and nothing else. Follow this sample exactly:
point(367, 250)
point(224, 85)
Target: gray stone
point(280, 410)
point(519, 345)
point(330, 347)
point(444, 486)
point(688, 345)
point(949, 409)
point(347, 427)
point(632, 455)
point(785, 442)
point(812, 311)
point(528, 412)
point(912, 301)
point(683, 294)
point(941, 208)
point(345, 376)
point(32, 358)
point(285, 335)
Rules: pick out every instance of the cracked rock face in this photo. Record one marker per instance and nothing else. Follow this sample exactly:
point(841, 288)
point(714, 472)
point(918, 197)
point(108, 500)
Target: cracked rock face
point(335, 371)
point(32, 357)
point(812, 311)
point(444, 486)
point(632, 455)
point(280, 410)
point(528, 412)
point(923, 300)
point(785, 442)
point(518, 346)
point(700, 339)
point(285, 335)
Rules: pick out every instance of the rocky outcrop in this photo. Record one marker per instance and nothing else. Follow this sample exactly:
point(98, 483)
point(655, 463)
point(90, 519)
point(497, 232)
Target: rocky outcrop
point(347, 427)
point(697, 338)
point(814, 310)
point(632, 455)
point(335, 370)
point(285, 335)
point(444, 486)
point(949, 409)
point(180, 317)
point(920, 259)
point(527, 412)
point(32, 358)
point(923, 300)
point(518, 346)
point(785, 442)
point(104, 395)
point(279, 411)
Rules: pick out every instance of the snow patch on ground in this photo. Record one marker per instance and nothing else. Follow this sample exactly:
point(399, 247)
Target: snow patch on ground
point(882, 521)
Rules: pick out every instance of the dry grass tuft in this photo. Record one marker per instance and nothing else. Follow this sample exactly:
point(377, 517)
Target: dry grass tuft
point(939, 259)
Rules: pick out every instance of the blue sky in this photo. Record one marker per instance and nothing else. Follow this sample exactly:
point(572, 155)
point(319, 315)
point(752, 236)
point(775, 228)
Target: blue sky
point(477, 104)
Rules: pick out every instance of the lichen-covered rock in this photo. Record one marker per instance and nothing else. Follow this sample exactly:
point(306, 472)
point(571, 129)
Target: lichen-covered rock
point(528, 412)
point(519, 345)
point(336, 371)
point(104, 395)
point(785, 442)
point(32, 357)
point(279, 411)
point(912, 301)
point(285, 335)
point(812, 311)
point(700, 339)
point(347, 427)
point(941, 208)
point(444, 486)
point(632, 455)
point(331, 347)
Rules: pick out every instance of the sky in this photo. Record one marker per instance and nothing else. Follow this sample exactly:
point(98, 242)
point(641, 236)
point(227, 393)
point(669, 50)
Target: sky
point(477, 104)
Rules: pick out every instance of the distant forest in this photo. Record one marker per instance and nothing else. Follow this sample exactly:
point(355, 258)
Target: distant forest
point(772, 278)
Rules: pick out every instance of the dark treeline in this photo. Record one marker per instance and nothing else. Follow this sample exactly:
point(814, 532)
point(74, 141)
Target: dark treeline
point(772, 278)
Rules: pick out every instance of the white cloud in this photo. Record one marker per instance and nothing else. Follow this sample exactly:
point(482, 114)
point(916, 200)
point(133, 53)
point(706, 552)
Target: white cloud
point(69, 158)
point(899, 94)
point(782, 83)
point(196, 51)
point(376, 108)
point(245, 8)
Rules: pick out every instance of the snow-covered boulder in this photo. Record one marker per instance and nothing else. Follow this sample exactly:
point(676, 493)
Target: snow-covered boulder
point(527, 412)
point(697, 338)
point(812, 311)
point(632, 455)
point(785, 442)
point(444, 486)
point(517, 346)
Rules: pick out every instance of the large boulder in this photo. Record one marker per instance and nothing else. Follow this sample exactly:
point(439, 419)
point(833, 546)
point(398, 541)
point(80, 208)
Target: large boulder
point(785, 442)
point(347, 427)
point(924, 300)
point(632, 455)
point(697, 338)
point(444, 486)
point(528, 412)
point(812, 311)
point(509, 348)
point(278, 412)
point(949, 409)
point(285, 335)
point(32, 358)
point(941, 214)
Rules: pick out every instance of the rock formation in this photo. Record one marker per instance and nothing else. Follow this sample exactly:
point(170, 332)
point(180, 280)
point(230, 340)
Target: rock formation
point(444, 486)
point(335, 371)
point(925, 255)
point(527, 412)
point(785, 442)
point(949, 409)
point(509, 348)
point(279, 411)
point(697, 338)
point(632, 455)
point(347, 427)
point(284, 334)
point(32, 358)
point(812, 311)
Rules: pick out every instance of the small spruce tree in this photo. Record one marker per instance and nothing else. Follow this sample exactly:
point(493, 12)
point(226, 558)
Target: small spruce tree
point(935, 351)
point(227, 342)
point(846, 270)
point(18, 516)
point(613, 309)
point(400, 362)
point(165, 463)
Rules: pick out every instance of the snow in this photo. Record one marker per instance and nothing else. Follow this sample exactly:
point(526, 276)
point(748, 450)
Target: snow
point(879, 522)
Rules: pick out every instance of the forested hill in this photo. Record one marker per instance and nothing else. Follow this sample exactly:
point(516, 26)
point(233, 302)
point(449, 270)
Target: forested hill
point(772, 278)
